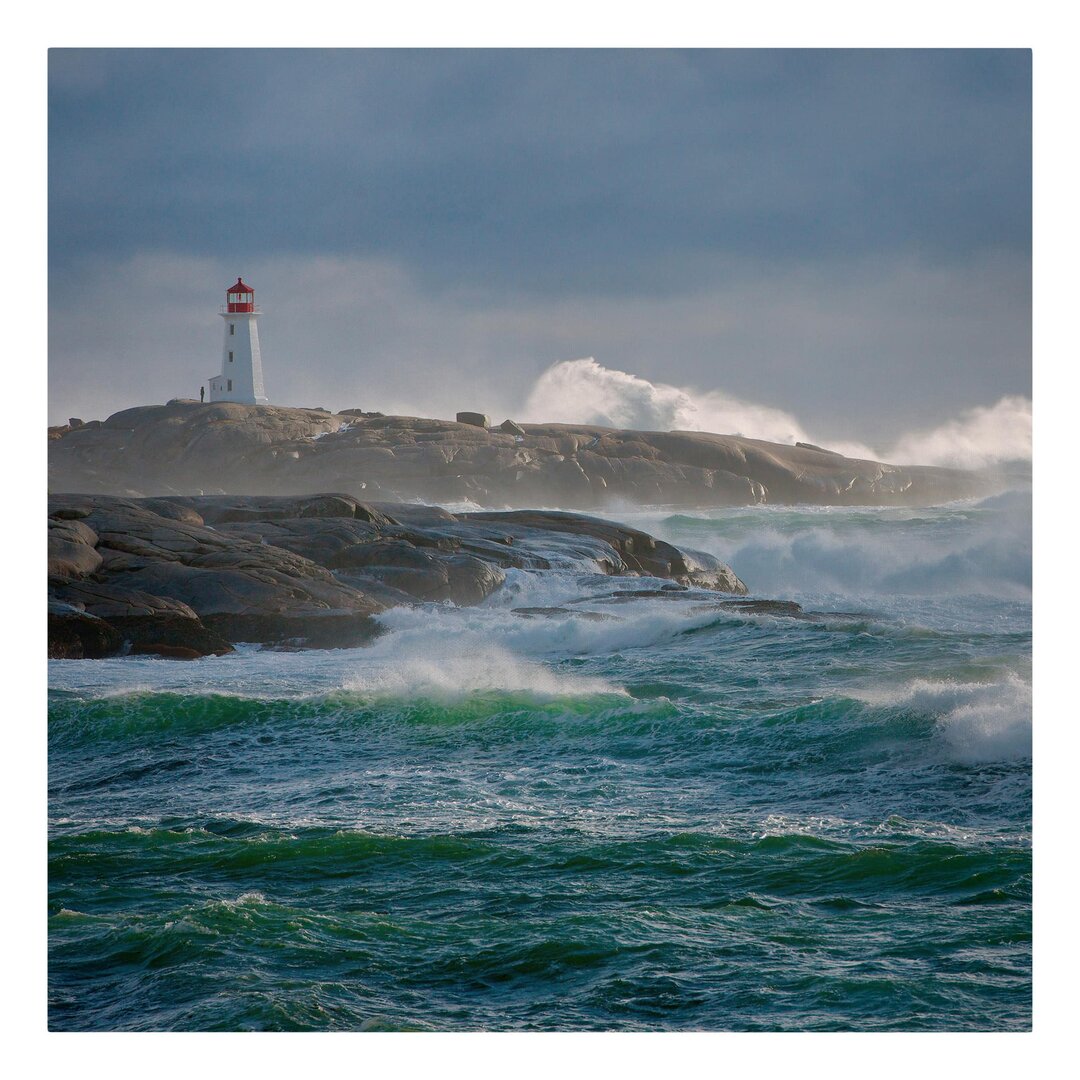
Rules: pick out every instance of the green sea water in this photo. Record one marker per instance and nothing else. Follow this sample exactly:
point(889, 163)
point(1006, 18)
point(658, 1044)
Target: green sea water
point(676, 818)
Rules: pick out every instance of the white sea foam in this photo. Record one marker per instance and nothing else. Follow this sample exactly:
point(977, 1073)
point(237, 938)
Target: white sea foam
point(585, 392)
point(440, 649)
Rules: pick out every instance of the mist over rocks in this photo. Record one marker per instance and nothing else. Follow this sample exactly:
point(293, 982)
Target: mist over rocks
point(186, 448)
point(190, 576)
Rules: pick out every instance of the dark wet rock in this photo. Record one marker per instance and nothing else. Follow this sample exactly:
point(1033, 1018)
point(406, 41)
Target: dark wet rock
point(781, 609)
point(475, 419)
point(76, 635)
point(167, 578)
point(763, 607)
point(185, 448)
point(71, 512)
point(193, 574)
point(304, 628)
point(166, 652)
point(819, 449)
point(142, 619)
point(624, 595)
point(547, 612)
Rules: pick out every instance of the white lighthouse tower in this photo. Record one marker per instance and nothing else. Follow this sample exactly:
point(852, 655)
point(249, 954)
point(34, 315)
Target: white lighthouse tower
point(241, 377)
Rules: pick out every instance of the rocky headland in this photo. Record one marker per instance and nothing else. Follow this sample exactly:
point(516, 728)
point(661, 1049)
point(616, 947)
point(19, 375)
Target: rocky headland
point(189, 448)
point(189, 576)
point(165, 551)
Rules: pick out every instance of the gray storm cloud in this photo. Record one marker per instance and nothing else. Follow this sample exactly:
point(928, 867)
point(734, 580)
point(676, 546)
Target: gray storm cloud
point(842, 237)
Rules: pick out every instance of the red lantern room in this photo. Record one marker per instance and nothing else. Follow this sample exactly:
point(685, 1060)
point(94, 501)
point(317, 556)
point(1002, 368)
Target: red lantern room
point(240, 297)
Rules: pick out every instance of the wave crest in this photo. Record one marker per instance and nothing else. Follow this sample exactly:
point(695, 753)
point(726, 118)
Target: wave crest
point(980, 722)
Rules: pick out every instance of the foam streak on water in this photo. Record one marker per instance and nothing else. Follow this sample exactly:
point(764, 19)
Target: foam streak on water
point(661, 814)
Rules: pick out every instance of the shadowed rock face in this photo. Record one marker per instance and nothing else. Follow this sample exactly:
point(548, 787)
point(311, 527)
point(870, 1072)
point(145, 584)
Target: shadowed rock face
point(189, 448)
point(188, 575)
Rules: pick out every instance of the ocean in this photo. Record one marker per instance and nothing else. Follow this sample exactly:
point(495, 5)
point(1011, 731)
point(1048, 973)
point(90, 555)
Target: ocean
point(659, 815)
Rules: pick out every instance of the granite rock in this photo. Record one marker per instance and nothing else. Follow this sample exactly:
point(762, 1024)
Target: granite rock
point(187, 448)
point(192, 575)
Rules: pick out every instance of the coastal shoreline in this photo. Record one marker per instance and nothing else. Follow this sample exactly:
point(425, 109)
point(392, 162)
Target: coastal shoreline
point(192, 576)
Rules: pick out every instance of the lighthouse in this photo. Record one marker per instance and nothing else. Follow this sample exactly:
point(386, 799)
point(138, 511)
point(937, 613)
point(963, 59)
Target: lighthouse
point(241, 377)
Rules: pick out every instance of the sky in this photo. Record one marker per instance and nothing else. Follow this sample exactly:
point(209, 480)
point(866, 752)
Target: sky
point(841, 237)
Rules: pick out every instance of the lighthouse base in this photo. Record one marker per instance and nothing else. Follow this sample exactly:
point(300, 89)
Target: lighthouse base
point(221, 390)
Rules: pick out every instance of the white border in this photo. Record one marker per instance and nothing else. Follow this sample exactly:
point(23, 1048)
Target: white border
point(914, 24)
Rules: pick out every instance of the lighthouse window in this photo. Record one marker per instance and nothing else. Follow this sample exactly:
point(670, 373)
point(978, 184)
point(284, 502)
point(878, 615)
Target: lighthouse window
point(232, 328)
point(230, 356)
point(230, 384)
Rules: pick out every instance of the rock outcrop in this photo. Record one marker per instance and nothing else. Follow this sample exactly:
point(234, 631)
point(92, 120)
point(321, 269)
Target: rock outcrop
point(186, 447)
point(475, 419)
point(189, 576)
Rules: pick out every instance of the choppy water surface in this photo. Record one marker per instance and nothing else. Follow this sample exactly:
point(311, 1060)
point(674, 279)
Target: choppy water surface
point(680, 817)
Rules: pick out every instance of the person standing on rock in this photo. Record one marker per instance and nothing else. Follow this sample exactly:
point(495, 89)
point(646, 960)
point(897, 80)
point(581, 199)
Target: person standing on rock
point(202, 394)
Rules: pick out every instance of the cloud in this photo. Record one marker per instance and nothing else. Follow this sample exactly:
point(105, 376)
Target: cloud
point(562, 172)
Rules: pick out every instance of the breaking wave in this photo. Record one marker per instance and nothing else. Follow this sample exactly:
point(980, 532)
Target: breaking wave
point(585, 392)
point(979, 721)
point(970, 548)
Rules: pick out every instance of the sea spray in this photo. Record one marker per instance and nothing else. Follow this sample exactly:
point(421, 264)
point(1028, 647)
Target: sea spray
point(585, 392)
point(973, 547)
point(978, 438)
